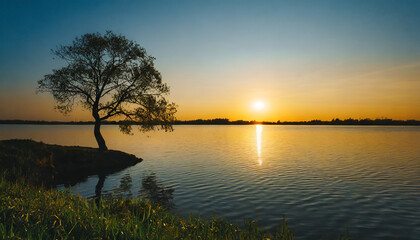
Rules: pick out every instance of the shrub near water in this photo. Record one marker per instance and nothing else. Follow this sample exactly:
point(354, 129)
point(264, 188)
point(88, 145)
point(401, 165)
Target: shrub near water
point(36, 213)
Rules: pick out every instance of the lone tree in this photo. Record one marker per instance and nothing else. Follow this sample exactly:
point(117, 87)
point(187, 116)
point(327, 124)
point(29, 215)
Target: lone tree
point(111, 76)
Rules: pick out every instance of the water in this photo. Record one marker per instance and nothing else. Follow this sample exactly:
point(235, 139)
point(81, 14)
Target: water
point(323, 179)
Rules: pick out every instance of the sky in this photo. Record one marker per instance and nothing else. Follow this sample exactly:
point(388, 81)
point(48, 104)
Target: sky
point(302, 59)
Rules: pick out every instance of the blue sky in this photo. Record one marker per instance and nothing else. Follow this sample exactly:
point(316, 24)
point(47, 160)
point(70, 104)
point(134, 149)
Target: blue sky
point(215, 54)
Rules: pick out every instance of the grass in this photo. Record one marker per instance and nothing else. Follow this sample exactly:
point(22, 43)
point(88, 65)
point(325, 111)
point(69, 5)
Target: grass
point(28, 212)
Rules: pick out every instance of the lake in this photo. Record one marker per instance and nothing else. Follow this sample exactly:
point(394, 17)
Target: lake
point(323, 179)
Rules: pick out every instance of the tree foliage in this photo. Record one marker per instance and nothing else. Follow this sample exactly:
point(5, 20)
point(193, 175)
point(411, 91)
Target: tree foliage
point(111, 76)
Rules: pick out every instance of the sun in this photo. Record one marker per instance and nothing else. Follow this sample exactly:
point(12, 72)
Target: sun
point(259, 105)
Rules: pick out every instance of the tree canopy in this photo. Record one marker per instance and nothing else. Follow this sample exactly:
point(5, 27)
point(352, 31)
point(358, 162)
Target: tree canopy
point(112, 77)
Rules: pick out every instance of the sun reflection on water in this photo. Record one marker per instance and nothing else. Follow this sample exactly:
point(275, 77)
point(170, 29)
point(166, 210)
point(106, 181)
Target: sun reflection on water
point(259, 129)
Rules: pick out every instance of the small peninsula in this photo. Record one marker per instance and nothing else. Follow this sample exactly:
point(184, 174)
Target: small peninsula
point(51, 165)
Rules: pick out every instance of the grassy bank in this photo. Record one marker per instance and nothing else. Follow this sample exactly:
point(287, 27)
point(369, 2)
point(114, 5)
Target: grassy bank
point(49, 165)
point(28, 210)
point(37, 213)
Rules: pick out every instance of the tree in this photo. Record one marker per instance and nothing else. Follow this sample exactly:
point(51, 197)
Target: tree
point(112, 77)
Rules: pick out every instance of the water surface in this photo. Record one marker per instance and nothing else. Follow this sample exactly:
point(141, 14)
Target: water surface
point(323, 179)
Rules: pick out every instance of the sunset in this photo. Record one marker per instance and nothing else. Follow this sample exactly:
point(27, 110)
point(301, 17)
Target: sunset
point(309, 60)
point(257, 119)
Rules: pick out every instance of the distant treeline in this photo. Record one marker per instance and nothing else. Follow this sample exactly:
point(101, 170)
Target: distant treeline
point(225, 121)
point(335, 121)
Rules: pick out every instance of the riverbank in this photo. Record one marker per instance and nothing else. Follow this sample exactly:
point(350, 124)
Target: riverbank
point(37, 213)
point(50, 165)
point(29, 210)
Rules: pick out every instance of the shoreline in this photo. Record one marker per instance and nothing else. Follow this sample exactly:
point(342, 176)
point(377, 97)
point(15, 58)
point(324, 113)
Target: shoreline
point(37, 213)
point(33, 208)
point(51, 165)
point(224, 122)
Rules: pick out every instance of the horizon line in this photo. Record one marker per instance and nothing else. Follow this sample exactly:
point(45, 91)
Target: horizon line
point(225, 120)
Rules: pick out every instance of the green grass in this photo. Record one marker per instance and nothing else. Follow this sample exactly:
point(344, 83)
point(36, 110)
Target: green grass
point(27, 212)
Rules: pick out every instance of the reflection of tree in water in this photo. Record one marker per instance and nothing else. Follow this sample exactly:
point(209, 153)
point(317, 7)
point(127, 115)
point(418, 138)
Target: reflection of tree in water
point(124, 190)
point(156, 192)
point(151, 190)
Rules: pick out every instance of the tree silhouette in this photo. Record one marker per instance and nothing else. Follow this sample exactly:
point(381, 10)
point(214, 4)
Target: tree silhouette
point(111, 76)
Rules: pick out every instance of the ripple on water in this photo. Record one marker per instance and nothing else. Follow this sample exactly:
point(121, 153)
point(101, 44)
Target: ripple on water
point(323, 179)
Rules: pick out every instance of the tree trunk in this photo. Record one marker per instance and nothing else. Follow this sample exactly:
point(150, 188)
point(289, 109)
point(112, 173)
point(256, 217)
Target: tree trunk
point(98, 136)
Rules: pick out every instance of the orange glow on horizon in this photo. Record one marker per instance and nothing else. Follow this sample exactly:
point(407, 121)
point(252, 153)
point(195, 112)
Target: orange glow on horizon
point(381, 94)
